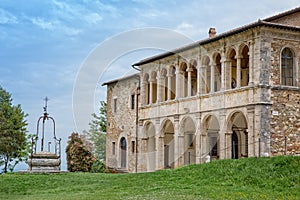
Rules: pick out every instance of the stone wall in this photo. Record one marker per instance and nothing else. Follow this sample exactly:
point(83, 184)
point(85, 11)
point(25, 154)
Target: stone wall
point(293, 20)
point(121, 123)
point(288, 40)
point(285, 109)
point(285, 121)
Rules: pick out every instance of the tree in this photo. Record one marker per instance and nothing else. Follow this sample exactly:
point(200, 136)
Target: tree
point(13, 140)
point(79, 157)
point(97, 132)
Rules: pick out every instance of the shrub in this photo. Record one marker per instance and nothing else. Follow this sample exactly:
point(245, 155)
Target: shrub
point(79, 157)
point(98, 167)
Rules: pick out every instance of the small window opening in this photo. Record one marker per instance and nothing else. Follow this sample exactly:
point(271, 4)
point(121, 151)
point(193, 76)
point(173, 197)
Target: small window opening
point(132, 101)
point(133, 146)
point(113, 148)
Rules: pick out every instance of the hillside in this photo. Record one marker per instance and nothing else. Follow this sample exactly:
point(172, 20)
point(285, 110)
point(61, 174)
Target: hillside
point(252, 178)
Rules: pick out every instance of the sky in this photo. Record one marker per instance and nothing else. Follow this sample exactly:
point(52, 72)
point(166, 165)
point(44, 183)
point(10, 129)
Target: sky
point(66, 49)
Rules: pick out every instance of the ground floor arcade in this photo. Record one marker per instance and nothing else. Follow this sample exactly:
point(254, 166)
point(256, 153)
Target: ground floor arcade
point(173, 141)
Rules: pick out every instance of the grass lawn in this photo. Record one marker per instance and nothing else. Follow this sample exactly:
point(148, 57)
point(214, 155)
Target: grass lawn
point(252, 178)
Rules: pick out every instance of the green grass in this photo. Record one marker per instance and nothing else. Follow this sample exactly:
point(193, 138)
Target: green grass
point(252, 178)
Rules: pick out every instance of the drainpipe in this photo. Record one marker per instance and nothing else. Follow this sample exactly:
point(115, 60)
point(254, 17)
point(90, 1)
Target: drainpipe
point(137, 119)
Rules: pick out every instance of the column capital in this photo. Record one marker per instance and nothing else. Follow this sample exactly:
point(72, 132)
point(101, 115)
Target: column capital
point(228, 133)
point(153, 80)
point(251, 109)
point(189, 69)
point(238, 57)
point(179, 72)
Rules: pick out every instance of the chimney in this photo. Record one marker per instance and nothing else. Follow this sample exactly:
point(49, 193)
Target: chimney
point(212, 32)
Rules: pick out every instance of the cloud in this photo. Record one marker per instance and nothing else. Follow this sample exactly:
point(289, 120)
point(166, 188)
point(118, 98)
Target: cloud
point(151, 14)
point(190, 30)
point(184, 26)
point(70, 31)
point(55, 26)
point(43, 24)
point(7, 17)
point(93, 18)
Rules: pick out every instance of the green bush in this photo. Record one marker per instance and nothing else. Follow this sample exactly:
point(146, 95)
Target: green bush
point(98, 167)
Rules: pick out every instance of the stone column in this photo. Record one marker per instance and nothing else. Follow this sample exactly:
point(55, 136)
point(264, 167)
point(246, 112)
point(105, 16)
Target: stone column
point(151, 92)
point(178, 82)
point(202, 149)
point(142, 161)
point(198, 144)
point(160, 89)
point(238, 71)
point(189, 88)
point(139, 149)
point(144, 92)
point(181, 149)
point(212, 77)
point(251, 127)
point(199, 77)
point(228, 145)
point(251, 64)
point(203, 80)
point(223, 72)
point(176, 141)
point(169, 86)
point(160, 153)
point(227, 74)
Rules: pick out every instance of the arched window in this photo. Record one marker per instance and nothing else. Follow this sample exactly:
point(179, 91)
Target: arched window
point(287, 67)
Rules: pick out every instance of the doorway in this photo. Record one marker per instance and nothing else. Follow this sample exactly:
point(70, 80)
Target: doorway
point(123, 148)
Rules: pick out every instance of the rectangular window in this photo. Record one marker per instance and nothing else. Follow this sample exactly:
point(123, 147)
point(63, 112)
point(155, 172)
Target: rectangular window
point(113, 148)
point(133, 146)
point(115, 105)
point(132, 101)
point(191, 137)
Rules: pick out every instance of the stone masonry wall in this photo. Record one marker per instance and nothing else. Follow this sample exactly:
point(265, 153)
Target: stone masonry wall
point(276, 48)
point(285, 122)
point(293, 20)
point(121, 123)
point(285, 100)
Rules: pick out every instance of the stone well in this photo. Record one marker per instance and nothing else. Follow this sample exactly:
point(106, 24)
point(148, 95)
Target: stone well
point(44, 162)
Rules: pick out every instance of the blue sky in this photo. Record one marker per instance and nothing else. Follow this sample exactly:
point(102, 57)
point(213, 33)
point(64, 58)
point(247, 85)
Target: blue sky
point(44, 44)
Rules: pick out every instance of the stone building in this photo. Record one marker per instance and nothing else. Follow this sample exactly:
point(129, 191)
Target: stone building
point(232, 95)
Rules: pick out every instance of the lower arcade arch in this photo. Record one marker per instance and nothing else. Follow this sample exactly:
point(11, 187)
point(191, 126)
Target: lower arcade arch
point(168, 144)
point(237, 125)
point(188, 129)
point(212, 143)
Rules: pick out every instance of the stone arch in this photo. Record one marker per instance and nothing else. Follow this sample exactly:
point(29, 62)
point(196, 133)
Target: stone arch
point(167, 131)
point(211, 130)
point(217, 71)
point(183, 73)
point(207, 73)
point(188, 130)
point(288, 66)
point(194, 77)
point(123, 152)
point(172, 77)
point(149, 132)
point(146, 88)
point(243, 69)
point(237, 124)
point(232, 61)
